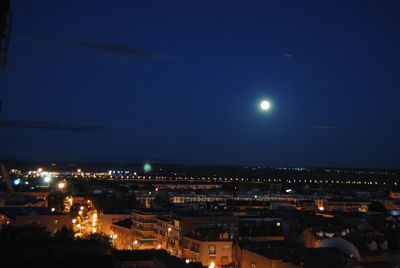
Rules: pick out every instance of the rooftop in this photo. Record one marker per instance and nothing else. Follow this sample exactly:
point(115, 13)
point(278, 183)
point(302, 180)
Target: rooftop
point(117, 211)
point(28, 211)
point(209, 235)
point(126, 223)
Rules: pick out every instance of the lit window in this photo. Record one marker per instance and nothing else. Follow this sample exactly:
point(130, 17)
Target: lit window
point(211, 249)
point(252, 265)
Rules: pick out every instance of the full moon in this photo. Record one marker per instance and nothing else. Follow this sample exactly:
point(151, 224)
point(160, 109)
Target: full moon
point(265, 105)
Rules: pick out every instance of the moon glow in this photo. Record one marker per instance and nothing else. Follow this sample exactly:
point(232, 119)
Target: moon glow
point(265, 105)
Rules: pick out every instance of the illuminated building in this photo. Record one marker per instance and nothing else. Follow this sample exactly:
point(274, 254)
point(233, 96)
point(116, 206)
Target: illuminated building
point(20, 216)
point(211, 247)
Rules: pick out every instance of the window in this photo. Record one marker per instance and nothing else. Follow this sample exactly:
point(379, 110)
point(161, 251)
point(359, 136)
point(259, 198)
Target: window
point(227, 247)
point(212, 249)
point(252, 265)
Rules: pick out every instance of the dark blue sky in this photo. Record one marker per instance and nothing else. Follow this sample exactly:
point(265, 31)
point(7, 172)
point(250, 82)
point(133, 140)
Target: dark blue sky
point(180, 81)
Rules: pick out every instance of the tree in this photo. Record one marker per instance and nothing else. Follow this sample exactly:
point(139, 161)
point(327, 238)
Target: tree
point(56, 200)
point(98, 240)
point(64, 235)
point(24, 236)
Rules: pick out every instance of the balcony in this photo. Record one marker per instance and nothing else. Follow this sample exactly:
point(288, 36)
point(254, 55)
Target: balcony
point(161, 228)
point(144, 229)
point(194, 250)
point(140, 236)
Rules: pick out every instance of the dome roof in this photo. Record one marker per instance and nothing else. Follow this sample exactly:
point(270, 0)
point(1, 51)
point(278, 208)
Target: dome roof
point(345, 246)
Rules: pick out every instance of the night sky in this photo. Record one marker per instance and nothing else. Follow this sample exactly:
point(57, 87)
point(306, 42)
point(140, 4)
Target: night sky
point(180, 82)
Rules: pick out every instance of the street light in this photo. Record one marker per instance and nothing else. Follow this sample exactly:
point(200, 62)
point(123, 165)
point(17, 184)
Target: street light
point(47, 178)
point(61, 185)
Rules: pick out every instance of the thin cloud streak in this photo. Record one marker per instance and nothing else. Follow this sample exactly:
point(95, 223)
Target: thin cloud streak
point(116, 49)
point(55, 126)
point(321, 127)
point(110, 48)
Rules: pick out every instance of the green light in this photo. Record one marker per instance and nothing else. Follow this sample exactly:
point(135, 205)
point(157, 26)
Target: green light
point(147, 167)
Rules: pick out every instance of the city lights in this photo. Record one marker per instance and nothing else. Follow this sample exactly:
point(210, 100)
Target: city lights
point(47, 178)
point(254, 134)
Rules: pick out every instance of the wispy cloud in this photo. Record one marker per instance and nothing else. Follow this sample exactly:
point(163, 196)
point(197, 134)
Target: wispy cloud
point(287, 55)
point(321, 127)
point(11, 140)
point(88, 61)
point(116, 49)
point(105, 47)
point(55, 126)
